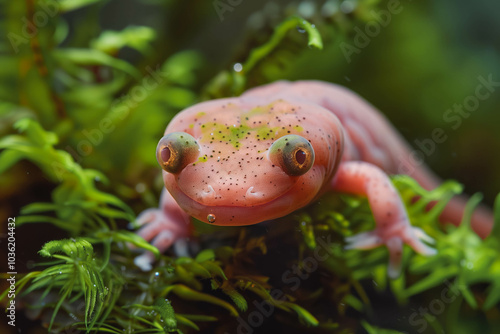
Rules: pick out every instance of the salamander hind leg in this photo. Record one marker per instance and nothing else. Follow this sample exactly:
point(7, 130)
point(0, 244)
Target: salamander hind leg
point(393, 227)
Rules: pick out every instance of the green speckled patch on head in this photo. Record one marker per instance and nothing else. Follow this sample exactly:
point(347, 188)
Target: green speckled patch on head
point(261, 123)
point(213, 132)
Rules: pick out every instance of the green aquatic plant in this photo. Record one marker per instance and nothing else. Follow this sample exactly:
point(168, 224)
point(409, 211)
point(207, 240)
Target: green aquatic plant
point(76, 196)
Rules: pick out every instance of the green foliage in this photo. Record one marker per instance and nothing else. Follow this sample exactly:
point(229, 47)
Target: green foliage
point(77, 195)
point(138, 38)
point(75, 275)
point(234, 82)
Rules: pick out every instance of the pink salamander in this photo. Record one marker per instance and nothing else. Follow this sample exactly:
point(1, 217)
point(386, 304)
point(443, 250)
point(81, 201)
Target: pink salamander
point(276, 148)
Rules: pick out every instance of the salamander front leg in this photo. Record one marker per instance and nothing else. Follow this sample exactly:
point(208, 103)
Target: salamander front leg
point(163, 227)
point(393, 227)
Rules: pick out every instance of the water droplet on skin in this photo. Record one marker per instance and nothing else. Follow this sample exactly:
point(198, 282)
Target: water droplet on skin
point(238, 67)
point(211, 218)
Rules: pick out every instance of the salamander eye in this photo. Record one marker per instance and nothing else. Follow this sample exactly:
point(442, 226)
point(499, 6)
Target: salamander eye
point(293, 153)
point(176, 150)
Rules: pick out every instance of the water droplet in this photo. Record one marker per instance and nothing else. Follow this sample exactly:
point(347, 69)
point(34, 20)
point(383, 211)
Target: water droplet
point(330, 8)
point(256, 21)
point(301, 30)
point(238, 67)
point(306, 9)
point(211, 218)
point(347, 6)
point(157, 274)
point(140, 187)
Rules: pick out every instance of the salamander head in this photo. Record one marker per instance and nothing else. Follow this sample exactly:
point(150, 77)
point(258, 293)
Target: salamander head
point(229, 164)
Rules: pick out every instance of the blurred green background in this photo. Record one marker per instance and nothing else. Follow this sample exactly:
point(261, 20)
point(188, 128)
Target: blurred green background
point(424, 61)
point(72, 64)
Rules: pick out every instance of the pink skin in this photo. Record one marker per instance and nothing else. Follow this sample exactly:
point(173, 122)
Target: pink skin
point(236, 182)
